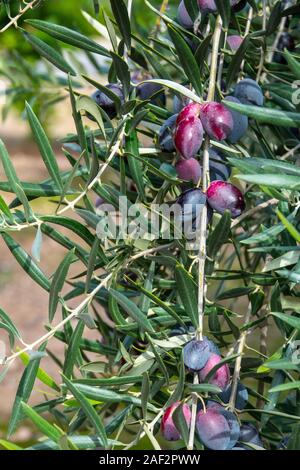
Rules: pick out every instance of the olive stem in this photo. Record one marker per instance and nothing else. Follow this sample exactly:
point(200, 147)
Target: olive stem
point(205, 180)
point(203, 222)
point(14, 20)
point(238, 362)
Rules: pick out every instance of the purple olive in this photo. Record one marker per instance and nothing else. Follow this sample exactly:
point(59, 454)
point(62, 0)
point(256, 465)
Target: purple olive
point(222, 196)
point(165, 137)
point(207, 5)
point(286, 41)
point(145, 91)
point(190, 110)
point(189, 137)
point(241, 396)
point(168, 428)
point(106, 103)
point(240, 122)
point(233, 425)
point(249, 434)
point(221, 377)
point(218, 169)
point(234, 42)
point(189, 170)
point(183, 16)
point(99, 202)
point(196, 354)
point(217, 120)
point(213, 429)
point(248, 91)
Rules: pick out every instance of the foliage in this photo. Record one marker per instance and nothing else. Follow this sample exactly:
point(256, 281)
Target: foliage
point(115, 389)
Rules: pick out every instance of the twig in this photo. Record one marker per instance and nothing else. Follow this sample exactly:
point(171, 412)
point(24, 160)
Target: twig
point(83, 304)
point(193, 417)
point(14, 20)
point(247, 31)
point(73, 314)
point(114, 150)
point(263, 48)
point(238, 362)
point(253, 211)
point(203, 222)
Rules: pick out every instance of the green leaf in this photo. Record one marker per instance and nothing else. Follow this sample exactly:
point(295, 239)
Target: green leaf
point(187, 292)
point(182, 90)
point(73, 225)
point(187, 59)
point(290, 227)
point(92, 263)
point(294, 440)
point(57, 283)
point(86, 103)
point(120, 13)
point(49, 53)
point(89, 411)
point(220, 235)
point(110, 381)
point(37, 245)
point(224, 8)
point(235, 62)
point(11, 334)
point(109, 396)
point(145, 391)
point(24, 391)
point(294, 322)
point(135, 166)
point(293, 64)
point(192, 8)
point(275, 18)
point(181, 424)
point(287, 386)
point(42, 375)
point(44, 146)
point(279, 378)
point(69, 36)
point(235, 292)
point(178, 392)
point(13, 179)
point(26, 262)
point(274, 180)
point(204, 388)
point(8, 321)
point(9, 445)
point(267, 115)
point(47, 429)
point(156, 300)
point(281, 364)
point(5, 209)
point(159, 359)
point(73, 350)
point(132, 310)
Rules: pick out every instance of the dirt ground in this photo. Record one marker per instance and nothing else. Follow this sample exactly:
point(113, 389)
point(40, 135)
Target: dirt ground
point(20, 297)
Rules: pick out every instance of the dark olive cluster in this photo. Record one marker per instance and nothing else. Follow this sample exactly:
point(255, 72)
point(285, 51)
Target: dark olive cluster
point(151, 92)
point(217, 427)
point(184, 132)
